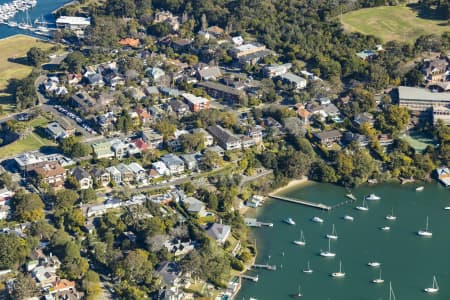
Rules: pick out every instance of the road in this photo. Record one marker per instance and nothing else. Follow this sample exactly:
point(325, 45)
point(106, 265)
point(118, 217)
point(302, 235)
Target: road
point(247, 179)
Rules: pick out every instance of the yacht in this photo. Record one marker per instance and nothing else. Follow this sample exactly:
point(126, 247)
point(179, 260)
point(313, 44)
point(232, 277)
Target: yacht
point(391, 292)
point(301, 241)
point(419, 188)
point(327, 253)
point(289, 221)
point(308, 269)
point(373, 197)
point(299, 293)
point(385, 228)
point(348, 218)
point(333, 234)
point(363, 207)
point(434, 288)
point(317, 220)
point(374, 264)
point(339, 274)
point(391, 217)
point(425, 232)
point(378, 280)
point(447, 208)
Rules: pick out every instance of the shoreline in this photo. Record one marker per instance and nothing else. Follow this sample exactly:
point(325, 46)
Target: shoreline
point(291, 184)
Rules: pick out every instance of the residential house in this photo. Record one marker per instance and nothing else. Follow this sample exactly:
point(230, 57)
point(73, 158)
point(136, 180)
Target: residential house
point(45, 272)
point(191, 160)
point(250, 53)
point(237, 40)
point(216, 149)
point(208, 73)
point(101, 176)
point(208, 139)
point(5, 195)
point(221, 91)
point(443, 175)
point(115, 174)
point(63, 289)
point(356, 138)
point(94, 79)
point(161, 168)
point(303, 115)
point(180, 108)
point(169, 18)
point(255, 133)
point(153, 139)
point(436, 70)
point(83, 178)
point(196, 103)
point(173, 163)
point(113, 79)
point(194, 206)
point(141, 145)
point(134, 43)
point(126, 173)
point(57, 132)
point(74, 78)
point(367, 54)
point(364, 118)
point(51, 173)
point(276, 70)
point(215, 31)
point(219, 232)
point(155, 73)
point(102, 149)
point(144, 116)
point(177, 247)
point(181, 44)
point(224, 138)
point(328, 137)
point(138, 172)
point(293, 80)
point(170, 273)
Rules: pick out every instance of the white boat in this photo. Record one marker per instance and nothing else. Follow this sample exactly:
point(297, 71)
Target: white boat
point(327, 253)
point(378, 280)
point(301, 241)
point(317, 220)
point(447, 208)
point(391, 217)
point(385, 228)
point(333, 234)
point(373, 197)
point(289, 221)
point(391, 292)
point(425, 232)
point(419, 188)
point(374, 264)
point(339, 274)
point(299, 293)
point(434, 288)
point(308, 269)
point(363, 207)
point(351, 196)
point(348, 218)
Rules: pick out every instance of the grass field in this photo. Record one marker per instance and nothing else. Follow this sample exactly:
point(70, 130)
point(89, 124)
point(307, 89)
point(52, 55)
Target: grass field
point(403, 23)
point(32, 142)
point(14, 48)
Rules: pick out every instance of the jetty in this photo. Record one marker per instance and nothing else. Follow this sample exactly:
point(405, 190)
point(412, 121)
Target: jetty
point(265, 266)
point(252, 222)
point(302, 202)
point(252, 278)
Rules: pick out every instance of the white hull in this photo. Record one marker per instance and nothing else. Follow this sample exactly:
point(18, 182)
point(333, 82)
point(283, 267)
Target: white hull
point(374, 264)
point(348, 218)
point(373, 197)
point(419, 189)
point(300, 243)
point(327, 254)
point(425, 233)
point(362, 208)
point(317, 220)
point(332, 237)
point(431, 290)
point(391, 218)
point(308, 271)
point(289, 221)
point(378, 281)
point(385, 228)
point(338, 274)
point(447, 208)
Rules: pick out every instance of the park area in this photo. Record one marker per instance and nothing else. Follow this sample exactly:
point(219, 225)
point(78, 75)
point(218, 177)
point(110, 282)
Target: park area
point(401, 23)
point(13, 64)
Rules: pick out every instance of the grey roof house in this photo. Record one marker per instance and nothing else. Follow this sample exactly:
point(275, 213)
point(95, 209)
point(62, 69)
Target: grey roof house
point(83, 178)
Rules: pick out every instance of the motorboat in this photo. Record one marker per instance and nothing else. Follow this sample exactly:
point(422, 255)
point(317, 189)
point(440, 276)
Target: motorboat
point(317, 220)
point(363, 207)
point(301, 241)
point(420, 188)
point(333, 235)
point(308, 269)
point(351, 196)
point(447, 208)
point(385, 228)
point(327, 253)
point(289, 221)
point(378, 280)
point(426, 232)
point(374, 264)
point(348, 218)
point(434, 288)
point(373, 197)
point(339, 274)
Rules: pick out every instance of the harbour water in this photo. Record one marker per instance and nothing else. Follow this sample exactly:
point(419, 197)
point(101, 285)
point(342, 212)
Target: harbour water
point(43, 9)
point(409, 261)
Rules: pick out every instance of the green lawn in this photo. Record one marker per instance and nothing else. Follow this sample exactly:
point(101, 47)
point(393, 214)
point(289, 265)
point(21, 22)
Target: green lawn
point(394, 22)
point(33, 141)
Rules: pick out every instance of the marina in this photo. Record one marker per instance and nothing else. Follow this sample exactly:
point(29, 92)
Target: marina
point(362, 247)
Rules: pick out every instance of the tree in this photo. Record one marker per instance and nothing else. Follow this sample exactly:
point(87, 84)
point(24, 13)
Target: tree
point(24, 287)
point(27, 207)
point(166, 128)
point(36, 56)
point(13, 251)
point(88, 195)
point(73, 147)
point(211, 160)
point(65, 199)
point(74, 61)
point(42, 229)
point(192, 142)
point(91, 284)
point(25, 92)
point(137, 266)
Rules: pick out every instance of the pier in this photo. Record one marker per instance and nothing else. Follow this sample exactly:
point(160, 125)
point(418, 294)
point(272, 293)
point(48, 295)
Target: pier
point(266, 266)
point(252, 222)
point(252, 278)
point(303, 202)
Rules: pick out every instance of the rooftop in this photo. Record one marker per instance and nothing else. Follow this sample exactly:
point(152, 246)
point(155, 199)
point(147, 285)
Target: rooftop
point(413, 93)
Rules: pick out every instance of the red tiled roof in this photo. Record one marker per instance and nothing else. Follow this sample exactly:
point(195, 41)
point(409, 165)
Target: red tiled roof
point(130, 42)
point(141, 144)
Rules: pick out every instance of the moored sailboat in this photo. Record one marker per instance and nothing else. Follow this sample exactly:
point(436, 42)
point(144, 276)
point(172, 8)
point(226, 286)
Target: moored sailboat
point(328, 253)
point(434, 288)
point(339, 274)
point(333, 235)
point(308, 269)
point(301, 241)
point(426, 232)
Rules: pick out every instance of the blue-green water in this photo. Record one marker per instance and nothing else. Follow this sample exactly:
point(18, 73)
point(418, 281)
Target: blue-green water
point(409, 261)
point(43, 9)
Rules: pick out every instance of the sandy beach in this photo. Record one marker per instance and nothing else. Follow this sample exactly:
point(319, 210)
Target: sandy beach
point(291, 184)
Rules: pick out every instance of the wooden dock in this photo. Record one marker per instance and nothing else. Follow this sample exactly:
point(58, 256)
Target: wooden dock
point(266, 266)
point(252, 278)
point(303, 202)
